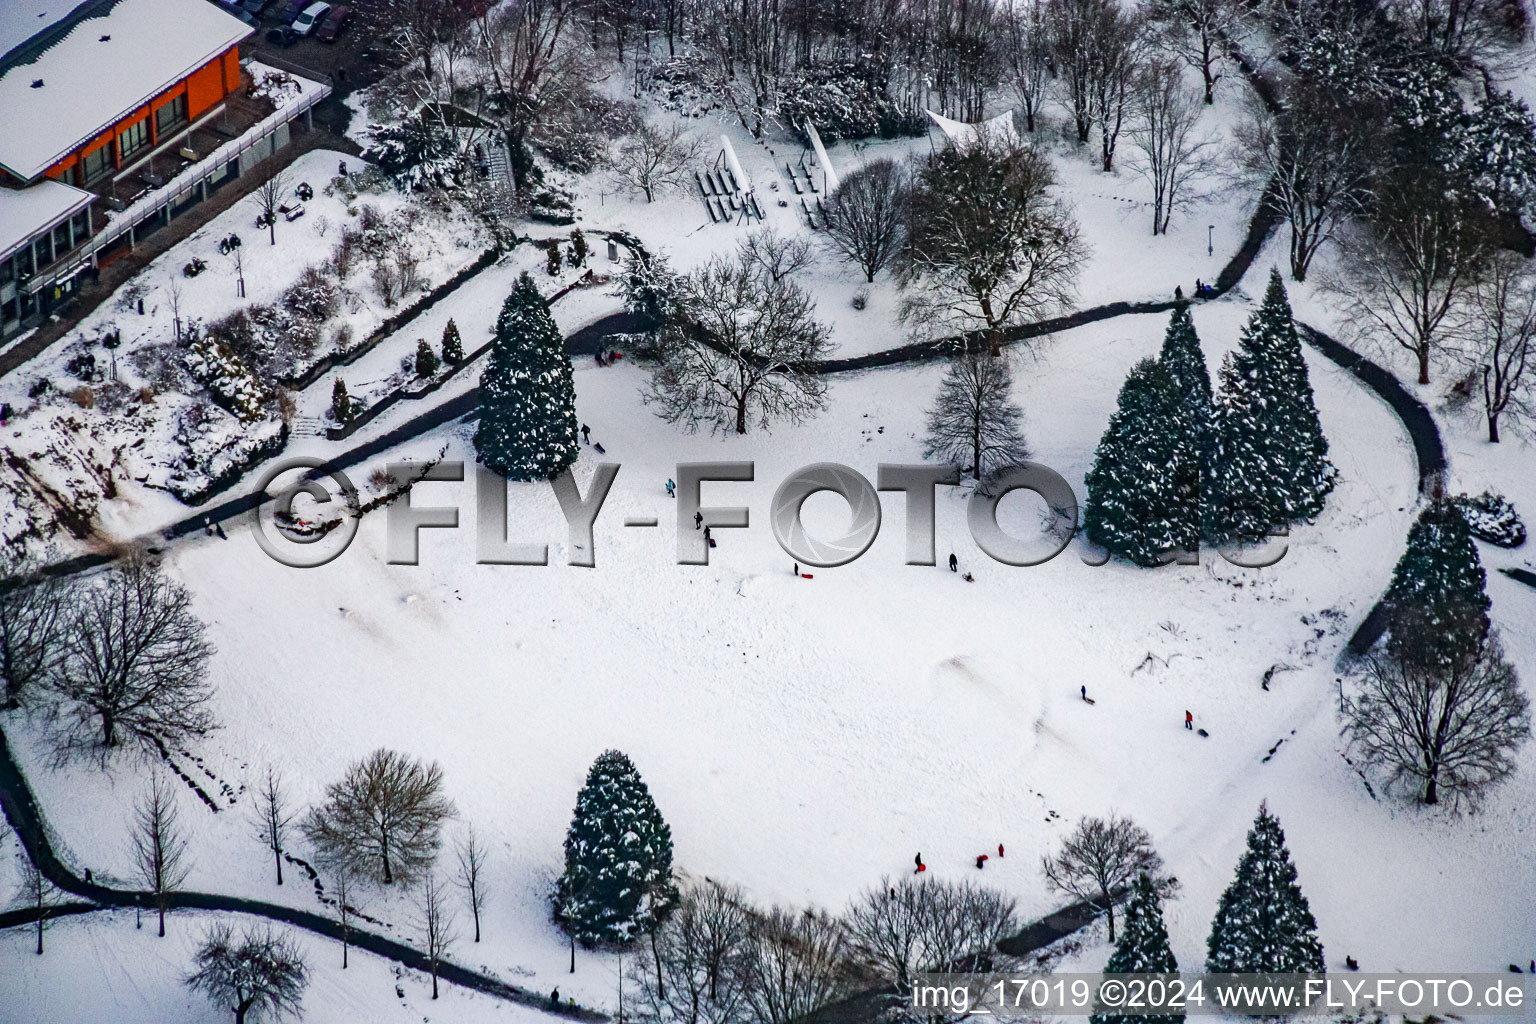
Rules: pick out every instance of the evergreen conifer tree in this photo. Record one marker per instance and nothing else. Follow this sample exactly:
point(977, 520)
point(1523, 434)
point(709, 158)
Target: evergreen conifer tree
point(1141, 503)
point(527, 396)
point(1143, 948)
point(1437, 608)
point(453, 345)
point(341, 403)
point(1237, 494)
point(579, 250)
point(1264, 924)
point(1185, 363)
point(1269, 459)
point(426, 359)
point(617, 883)
point(1184, 360)
point(1305, 476)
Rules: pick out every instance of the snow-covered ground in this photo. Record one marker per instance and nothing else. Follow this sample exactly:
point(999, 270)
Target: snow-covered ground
point(805, 737)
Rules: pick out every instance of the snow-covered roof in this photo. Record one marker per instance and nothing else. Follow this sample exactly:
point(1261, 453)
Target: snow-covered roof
point(25, 212)
point(998, 130)
point(90, 83)
point(20, 20)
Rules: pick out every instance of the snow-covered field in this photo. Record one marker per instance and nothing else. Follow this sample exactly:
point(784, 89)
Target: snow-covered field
point(806, 737)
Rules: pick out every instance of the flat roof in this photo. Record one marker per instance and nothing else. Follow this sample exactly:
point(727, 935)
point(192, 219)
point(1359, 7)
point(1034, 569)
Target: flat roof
point(90, 82)
point(25, 212)
point(20, 20)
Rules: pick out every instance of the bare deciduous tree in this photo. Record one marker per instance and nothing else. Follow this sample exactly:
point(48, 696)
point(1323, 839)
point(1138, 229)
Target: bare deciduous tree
point(775, 255)
point(159, 845)
point(384, 817)
point(742, 356)
point(909, 926)
point(1173, 156)
point(260, 975)
point(974, 422)
point(1500, 339)
point(436, 925)
point(1198, 32)
point(34, 616)
point(344, 890)
point(694, 974)
point(470, 877)
point(1311, 157)
point(1406, 275)
point(36, 893)
point(794, 963)
point(988, 246)
point(273, 816)
point(866, 214)
point(1119, 49)
point(531, 57)
point(269, 195)
point(1446, 730)
point(1098, 861)
point(136, 661)
point(654, 160)
point(1028, 51)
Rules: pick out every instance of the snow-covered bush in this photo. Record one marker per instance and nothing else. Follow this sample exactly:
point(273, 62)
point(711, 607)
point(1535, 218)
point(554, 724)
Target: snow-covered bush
point(1492, 518)
point(216, 366)
point(844, 101)
point(416, 154)
point(276, 86)
point(578, 139)
point(681, 85)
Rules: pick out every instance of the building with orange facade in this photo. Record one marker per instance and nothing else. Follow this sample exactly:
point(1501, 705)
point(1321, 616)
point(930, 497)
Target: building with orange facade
point(103, 105)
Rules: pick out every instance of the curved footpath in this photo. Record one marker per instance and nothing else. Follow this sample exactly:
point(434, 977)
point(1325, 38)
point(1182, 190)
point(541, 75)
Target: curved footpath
point(21, 808)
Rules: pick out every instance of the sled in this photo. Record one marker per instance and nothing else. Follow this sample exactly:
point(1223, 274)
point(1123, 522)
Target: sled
point(1089, 700)
point(712, 542)
point(808, 576)
point(1202, 732)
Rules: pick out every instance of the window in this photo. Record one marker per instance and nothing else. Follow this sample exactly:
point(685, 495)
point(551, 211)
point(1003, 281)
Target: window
point(96, 163)
point(134, 138)
point(82, 222)
point(171, 116)
point(7, 270)
point(61, 240)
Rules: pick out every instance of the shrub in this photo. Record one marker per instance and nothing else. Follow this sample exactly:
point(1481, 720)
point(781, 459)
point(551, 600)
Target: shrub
point(1492, 518)
point(84, 397)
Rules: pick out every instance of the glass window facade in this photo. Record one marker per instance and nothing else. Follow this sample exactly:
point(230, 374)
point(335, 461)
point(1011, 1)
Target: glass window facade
point(134, 138)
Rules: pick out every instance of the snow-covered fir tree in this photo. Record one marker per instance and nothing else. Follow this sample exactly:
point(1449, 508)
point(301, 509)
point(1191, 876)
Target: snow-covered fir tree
point(453, 345)
point(1142, 503)
point(527, 395)
point(1237, 499)
point(342, 406)
point(1269, 462)
point(1437, 606)
point(1184, 360)
point(617, 884)
point(426, 359)
point(1264, 923)
point(417, 154)
point(1501, 153)
point(1307, 476)
point(1142, 948)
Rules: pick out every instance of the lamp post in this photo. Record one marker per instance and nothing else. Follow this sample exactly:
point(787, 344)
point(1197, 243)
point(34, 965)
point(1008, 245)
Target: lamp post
point(1210, 240)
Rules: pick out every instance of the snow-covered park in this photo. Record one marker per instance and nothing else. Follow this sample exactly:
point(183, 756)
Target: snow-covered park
point(805, 731)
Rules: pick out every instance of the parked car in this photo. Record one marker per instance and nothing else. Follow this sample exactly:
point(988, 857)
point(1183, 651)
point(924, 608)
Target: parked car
point(254, 7)
point(282, 35)
point(292, 9)
point(334, 22)
point(313, 15)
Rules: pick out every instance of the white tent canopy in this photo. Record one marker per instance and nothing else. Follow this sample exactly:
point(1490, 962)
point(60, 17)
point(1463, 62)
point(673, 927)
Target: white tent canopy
point(998, 131)
point(742, 181)
point(821, 156)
